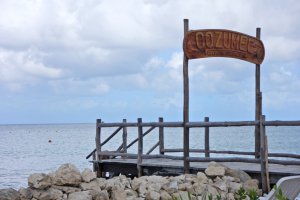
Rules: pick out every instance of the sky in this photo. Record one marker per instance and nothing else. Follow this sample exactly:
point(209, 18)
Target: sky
point(74, 61)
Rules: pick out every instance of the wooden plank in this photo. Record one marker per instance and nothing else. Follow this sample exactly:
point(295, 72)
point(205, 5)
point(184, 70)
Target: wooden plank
point(227, 159)
point(98, 146)
point(282, 123)
point(186, 133)
point(223, 43)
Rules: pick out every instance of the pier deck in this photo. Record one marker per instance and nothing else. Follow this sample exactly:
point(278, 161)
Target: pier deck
point(168, 167)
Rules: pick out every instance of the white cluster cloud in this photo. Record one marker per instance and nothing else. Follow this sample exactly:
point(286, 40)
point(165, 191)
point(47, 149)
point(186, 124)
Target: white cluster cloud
point(96, 49)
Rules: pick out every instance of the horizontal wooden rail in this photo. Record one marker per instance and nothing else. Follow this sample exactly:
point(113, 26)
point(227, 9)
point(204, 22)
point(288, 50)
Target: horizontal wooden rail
point(284, 155)
point(144, 124)
point(221, 124)
point(281, 123)
point(229, 159)
point(162, 156)
point(211, 151)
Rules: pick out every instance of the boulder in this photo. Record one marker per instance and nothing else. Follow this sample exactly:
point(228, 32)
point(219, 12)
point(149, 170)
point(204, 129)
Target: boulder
point(201, 177)
point(118, 194)
point(165, 195)
point(67, 174)
point(251, 184)
point(171, 187)
point(238, 174)
point(213, 171)
point(234, 187)
point(39, 181)
point(152, 195)
point(85, 195)
point(25, 194)
point(66, 189)
point(51, 194)
point(9, 194)
point(88, 175)
point(93, 185)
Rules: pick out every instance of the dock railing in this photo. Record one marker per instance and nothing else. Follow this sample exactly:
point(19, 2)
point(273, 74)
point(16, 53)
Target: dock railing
point(122, 151)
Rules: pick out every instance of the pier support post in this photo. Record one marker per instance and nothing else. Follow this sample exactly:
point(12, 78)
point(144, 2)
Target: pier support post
point(161, 137)
point(206, 138)
point(140, 147)
point(258, 103)
point(264, 157)
point(98, 147)
point(186, 131)
point(124, 138)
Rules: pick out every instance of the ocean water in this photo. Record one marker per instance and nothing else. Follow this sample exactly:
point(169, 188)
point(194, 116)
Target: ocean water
point(25, 149)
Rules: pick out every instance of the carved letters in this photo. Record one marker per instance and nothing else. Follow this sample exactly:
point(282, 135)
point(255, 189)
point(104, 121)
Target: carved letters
point(223, 43)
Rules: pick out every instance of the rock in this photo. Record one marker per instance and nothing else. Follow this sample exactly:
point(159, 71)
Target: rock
point(221, 185)
point(152, 195)
point(234, 187)
point(215, 171)
point(118, 195)
point(39, 181)
point(51, 194)
point(238, 174)
point(131, 193)
point(85, 195)
point(199, 188)
point(25, 193)
point(171, 187)
point(136, 182)
point(184, 195)
point(101, 183)
point(9, 194)
point(93, 185)
point(103, 195)
point(88, 175)
point(142, 189)
point(251, 184)
point(68, 175)
point(201, 177)
point(165, 195)
point(66, 189)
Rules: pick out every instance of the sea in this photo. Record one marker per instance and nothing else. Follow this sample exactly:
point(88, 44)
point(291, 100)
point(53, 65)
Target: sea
point(43, 148)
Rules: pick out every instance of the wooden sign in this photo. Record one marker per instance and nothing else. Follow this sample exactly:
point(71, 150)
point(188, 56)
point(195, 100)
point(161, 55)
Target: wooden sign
point(223, 43)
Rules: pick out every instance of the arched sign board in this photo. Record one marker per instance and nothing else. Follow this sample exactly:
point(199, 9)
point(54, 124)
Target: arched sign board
point(223, 43)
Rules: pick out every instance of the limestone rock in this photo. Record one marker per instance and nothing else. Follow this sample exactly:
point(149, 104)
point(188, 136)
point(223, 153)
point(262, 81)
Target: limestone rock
point(25, 193)
point(238, 174)
point(171, 187)
point(118, 195)
point(136, 182)
point(9, 194)
point(51, 194)
point(201, 177)
point(101, 182)
point(251, 184)
point(85, 195)
point(234, 187)
point(67, 174)
point(215, 171)
point(164, 195)
point(93, 185)
point(88, 175)
point(39, 181)
point(152, 195)
point(66, 189)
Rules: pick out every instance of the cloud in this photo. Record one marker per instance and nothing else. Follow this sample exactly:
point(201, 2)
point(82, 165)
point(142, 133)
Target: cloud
point(24, 67)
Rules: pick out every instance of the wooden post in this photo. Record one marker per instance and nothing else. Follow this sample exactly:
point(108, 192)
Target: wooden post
point(161, 137)
point(206, 138)
point(258, 110)
point(264, 157)
point(140, 147)
point(98, 146)
point(186, 133)
point(124, 138)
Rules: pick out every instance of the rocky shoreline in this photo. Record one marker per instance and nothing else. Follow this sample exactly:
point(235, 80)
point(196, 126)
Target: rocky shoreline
point(68, 183)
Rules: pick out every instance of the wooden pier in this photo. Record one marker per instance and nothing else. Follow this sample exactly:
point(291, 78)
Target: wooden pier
point(267, 167)
point(259, 164)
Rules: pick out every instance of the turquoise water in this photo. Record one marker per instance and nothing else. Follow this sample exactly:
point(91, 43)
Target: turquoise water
point(25, 149)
